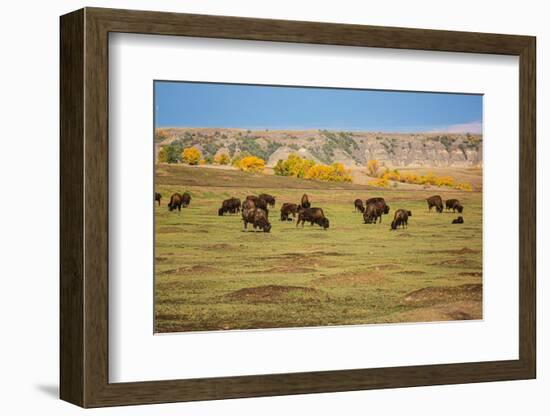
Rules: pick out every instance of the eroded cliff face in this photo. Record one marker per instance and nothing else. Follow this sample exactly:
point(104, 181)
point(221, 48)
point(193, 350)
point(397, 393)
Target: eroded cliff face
point(350, 148)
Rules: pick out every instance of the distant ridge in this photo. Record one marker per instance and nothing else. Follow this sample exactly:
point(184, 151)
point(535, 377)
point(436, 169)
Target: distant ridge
point(352, 148)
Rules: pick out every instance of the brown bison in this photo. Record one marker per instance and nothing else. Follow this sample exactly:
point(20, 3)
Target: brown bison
point(185, 200)
point(458, 220)
point(313, 216)
point(258, 202)
point(231, 206)
point(257, 217)
point(288, 209)
point(175, 202)
point(269, 199)
point(304, 203)
point(400, 218)
point(358, 203)
point(158, 197)
point(381, 202)
point(374, 212)
point(454, 204)
point(435, 201)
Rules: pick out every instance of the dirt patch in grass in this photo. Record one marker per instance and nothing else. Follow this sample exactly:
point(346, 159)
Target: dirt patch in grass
point(218, 246)
point(455, 311)
point(195, 269)
point(161, 259)
point(463, 250)
point(289, 268)
point(170, 230)
point(349, 279)
point(411, 272)
point(378, 267)
point(471, 274)
point(434, 295)
point(277, 294)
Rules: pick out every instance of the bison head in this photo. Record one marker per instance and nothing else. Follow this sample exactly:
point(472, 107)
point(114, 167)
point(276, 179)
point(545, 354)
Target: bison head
point(220, 212)
point(393, 225)
point(409, 213)
point(387, 209)
point(460, 208)
point(326, 223)
point(267, 228)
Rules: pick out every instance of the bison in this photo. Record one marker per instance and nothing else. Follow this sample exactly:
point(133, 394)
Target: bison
point(458, 220)
point(257, 217)
point(374, 211)
point(231, 206)
point(185, 200)
point(304, 203)
point(158, 197)
point(288, 209)
point(454, 204)
point(380, 202)
point(400, 218)
point(269, 199)
point(313, 216)
point(258, 202)
point(435, 201)
point(176, 201)
point(358, 203)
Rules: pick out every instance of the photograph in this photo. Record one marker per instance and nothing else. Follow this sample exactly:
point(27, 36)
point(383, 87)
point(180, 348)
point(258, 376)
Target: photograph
point(279, 206)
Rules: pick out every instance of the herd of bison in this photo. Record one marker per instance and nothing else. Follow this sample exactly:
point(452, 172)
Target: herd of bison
point(255, 210)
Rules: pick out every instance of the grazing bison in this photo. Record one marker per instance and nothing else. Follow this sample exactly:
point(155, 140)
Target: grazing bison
point(458, 220)
point(358, 203)
point(257, 217)
point(269, 199)
point(158, 197)
point(231, 206)
point(435, 201)
point(454, 204)
point(258, 202)
point(400, 218)
point(313, 216)
point(379, 201)
point(288, 209)
point(185, 200)
point(176, 201)
point(374, 211)
point(304, 203)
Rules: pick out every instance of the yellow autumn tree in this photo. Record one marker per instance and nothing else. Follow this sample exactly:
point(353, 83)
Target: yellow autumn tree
point(222, 159)
point(191, 155)
point(372, 167)
point(251, 164)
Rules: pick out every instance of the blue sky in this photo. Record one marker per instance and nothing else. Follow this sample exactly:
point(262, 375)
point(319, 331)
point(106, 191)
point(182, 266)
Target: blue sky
point(185, 104)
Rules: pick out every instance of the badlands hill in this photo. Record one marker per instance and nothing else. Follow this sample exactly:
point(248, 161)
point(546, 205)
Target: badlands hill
point(350, 148)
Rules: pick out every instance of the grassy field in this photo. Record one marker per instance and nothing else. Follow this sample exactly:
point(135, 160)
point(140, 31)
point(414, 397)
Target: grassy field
point(211, 275)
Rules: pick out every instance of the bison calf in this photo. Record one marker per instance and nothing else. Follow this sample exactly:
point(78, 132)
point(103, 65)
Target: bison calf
point(458, 220)
point(358, 203)
point(185, 199)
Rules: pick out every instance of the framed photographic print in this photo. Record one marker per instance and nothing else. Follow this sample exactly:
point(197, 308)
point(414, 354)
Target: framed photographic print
point(256, 207)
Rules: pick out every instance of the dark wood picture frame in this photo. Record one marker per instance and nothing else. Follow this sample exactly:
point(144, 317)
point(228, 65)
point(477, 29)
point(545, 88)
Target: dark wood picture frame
point(84, 207)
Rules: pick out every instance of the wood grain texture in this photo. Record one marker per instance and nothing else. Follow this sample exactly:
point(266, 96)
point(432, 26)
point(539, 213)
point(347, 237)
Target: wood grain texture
point(71, 100)
point(84, 204)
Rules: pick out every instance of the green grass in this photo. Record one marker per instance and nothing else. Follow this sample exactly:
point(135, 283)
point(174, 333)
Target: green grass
point(212, 275)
